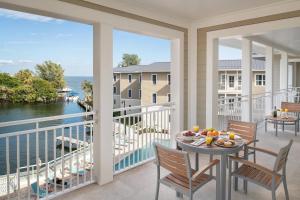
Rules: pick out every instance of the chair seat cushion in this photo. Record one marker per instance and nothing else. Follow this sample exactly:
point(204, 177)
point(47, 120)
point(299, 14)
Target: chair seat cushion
point(178, 181)
point(257, 176)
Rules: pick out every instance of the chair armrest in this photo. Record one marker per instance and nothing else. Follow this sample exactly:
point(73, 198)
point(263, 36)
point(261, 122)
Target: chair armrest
point(251, 164)
point(263, 150)
point(205, 168)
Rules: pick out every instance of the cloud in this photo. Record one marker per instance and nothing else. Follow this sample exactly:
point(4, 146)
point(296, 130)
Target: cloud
point(63, 35)
point(21, 15)
point(6, 62)
point(25, 61)
point(22, 42)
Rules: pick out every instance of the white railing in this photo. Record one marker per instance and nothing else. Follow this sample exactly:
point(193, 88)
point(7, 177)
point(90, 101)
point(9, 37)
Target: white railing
point(45, 157)
point(134, 134)
point(231, 107)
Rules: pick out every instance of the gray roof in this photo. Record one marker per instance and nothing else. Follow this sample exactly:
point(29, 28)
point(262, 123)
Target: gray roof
point(153, 67)
point(165, 66)
point(237, 64)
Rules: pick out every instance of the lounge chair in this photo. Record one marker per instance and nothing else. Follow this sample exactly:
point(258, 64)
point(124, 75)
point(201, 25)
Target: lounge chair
point(41, 193)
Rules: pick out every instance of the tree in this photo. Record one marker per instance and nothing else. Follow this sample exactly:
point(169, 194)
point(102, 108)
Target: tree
point(8, 81)
point(51, 72)
point(129, 59)
point(25, 76)
point(44, 90)
point(87, 87)
point(23, 94)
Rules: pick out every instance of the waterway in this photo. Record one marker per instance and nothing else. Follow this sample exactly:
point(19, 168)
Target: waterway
point(12, 112)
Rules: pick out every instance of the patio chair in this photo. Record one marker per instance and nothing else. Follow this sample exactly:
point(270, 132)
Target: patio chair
point(183, 179)
point(41, 193)
point(247, 131)
point(260, 175)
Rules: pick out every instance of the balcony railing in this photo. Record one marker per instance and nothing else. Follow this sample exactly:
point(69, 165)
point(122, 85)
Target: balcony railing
point(44, 157)
point(230, 108)
point(134, 134)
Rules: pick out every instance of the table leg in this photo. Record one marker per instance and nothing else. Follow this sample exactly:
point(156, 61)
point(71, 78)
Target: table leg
point(236, 165)
point(197, 161)
point(276, 128)
point(296, 128)
point(266, 125)
point(223, 176)
point(283, 127)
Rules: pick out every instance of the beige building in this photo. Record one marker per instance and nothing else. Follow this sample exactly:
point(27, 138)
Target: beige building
point(150, 84)
point(230, 77)
point(142, 85)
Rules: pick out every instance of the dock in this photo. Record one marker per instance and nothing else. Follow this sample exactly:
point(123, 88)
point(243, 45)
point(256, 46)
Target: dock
point(84, 105)
point(70, 142)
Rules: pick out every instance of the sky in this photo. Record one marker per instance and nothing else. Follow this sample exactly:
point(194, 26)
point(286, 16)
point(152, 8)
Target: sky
point(27, 40)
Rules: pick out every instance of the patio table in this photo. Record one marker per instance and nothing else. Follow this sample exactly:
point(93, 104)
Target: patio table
point(212, 150)
point(290, 120)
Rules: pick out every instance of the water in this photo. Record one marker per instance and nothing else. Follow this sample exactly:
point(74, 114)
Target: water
point(12, 112)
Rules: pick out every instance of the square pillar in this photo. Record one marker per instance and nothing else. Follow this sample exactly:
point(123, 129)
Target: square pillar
point(284, 71)
point(177, 88)
point(269, 80)
point(103, 103)
point(246, 80)
point(212, 83)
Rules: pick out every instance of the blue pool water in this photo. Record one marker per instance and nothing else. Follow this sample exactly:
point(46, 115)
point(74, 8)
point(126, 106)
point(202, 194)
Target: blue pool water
point(137, 156)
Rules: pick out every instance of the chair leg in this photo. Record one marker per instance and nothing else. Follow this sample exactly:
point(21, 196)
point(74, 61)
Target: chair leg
point(273, 194)
point(157, 190)
point(285, 188)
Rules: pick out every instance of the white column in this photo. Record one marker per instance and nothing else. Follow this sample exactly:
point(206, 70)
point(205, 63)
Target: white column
point(247, 79)
point(103, 103)
point(177, 88)
point(269, 80)
point(284, 71)
point(212, 83)
point(192, 92)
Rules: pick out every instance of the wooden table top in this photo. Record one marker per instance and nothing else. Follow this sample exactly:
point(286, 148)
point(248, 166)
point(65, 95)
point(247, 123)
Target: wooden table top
point(209, 149)
point(282, 119)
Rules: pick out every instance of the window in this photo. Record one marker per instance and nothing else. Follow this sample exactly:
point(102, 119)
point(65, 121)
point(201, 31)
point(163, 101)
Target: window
point(260, 79)
point(154, 79)
point(129, 78)
point(115, 90)
point(169, 97)
point(140, 93)
point(154, 98)
point(222, 81)
point(114, 101)
point(231, 81)
point(169, 79)
point(129, 93)
point(239, 82)
point(115, 78)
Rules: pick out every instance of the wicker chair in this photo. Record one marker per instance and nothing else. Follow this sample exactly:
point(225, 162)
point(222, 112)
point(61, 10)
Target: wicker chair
point(252, 172)
point(183, 179)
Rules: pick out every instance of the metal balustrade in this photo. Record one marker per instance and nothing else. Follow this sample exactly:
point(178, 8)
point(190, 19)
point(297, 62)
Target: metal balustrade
point(230, 108)
point(46, 156)
point(134, 134)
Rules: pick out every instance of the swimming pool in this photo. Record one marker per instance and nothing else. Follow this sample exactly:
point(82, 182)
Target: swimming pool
point(137, 156)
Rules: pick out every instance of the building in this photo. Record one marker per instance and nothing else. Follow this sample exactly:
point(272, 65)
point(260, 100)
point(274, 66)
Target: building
point(230, 77)
point(142, 85)
point(150, 84)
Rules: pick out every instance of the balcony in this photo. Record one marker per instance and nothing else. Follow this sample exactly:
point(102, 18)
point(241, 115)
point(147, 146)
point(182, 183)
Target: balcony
point(139, 183)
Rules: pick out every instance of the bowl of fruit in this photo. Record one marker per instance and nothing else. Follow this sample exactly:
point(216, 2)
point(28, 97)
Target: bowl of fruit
point(210, 132)
point(188, 135)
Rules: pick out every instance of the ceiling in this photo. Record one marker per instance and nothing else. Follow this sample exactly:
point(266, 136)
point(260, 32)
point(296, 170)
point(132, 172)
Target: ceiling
point(287, 40)
point(187, 9)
